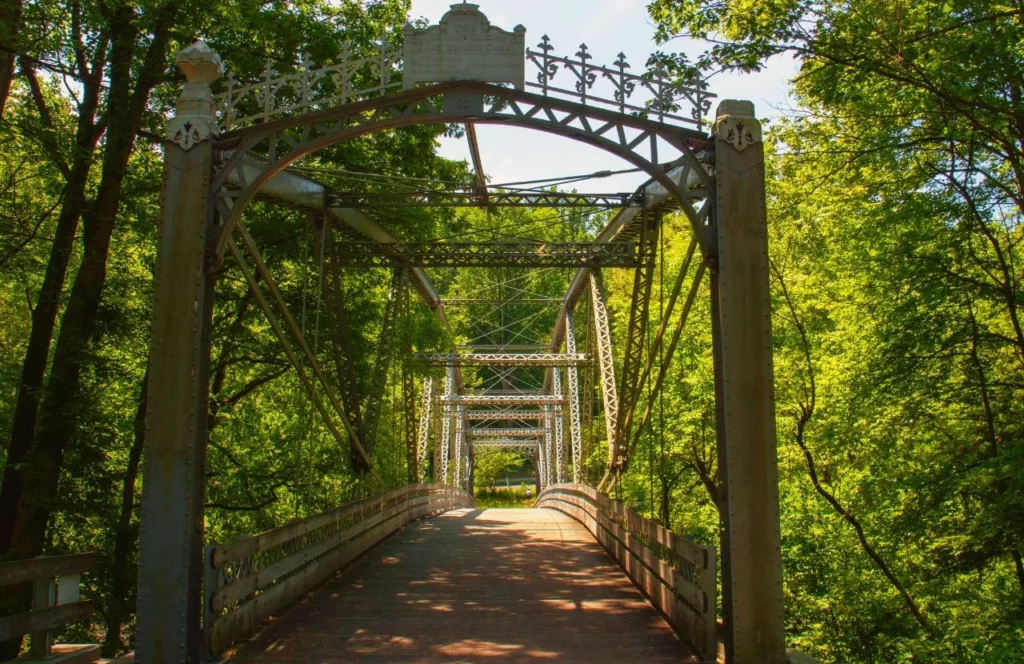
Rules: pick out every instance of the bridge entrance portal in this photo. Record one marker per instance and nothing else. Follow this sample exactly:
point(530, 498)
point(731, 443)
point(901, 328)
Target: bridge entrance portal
point(232, 143)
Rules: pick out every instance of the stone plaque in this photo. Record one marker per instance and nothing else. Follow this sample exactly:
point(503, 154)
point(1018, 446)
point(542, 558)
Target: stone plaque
point(464, 46)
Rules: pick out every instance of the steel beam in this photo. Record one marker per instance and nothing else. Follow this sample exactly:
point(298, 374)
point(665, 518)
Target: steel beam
point(423, 437)
point(497, 253)
point(503, 400)
point(504, 415)
point(603, 339)
point(478, 163)
point(572, 372)
point(529, 432)
point(460, 420)
point(502, 359)
point(636, 340)
point(382, 361)
point(741, 311)
point(502, 348)
point(446, 423)
point(549, 466)
point(476, 198)
point(559, 430)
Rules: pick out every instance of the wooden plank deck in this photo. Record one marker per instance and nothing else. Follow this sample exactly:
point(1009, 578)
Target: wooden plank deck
point(473, 586)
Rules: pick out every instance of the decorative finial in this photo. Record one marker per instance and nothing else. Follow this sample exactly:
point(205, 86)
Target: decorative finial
point(194, 120)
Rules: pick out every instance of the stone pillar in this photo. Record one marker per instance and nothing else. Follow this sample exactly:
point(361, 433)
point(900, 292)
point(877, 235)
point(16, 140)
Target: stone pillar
point(741, 308)
point(171, 538)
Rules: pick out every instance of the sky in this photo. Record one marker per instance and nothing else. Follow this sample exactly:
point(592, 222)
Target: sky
point(608, 27)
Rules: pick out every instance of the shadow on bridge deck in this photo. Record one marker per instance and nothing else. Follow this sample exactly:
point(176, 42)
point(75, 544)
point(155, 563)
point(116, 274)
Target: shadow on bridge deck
point(474, 585)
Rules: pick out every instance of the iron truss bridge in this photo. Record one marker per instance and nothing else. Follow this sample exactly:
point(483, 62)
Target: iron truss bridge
point(518, 253)
point(503, 359)
point(482, 198)
point(504, 415)
point(487, 432)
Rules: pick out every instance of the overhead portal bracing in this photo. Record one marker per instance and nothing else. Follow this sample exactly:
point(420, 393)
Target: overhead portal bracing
point(247, 143)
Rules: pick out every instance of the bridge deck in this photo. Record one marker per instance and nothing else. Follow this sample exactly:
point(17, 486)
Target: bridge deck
point(474, 585)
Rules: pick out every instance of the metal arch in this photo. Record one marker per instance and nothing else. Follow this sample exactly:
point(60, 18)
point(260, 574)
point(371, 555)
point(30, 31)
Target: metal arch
point(415, 107)
point(572, 373)
point(606, 363)
point(423, 437)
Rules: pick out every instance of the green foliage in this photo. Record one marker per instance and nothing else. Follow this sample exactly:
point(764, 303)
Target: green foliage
point(511, 498)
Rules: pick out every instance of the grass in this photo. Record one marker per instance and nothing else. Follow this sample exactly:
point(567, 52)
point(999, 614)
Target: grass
point(492, 498)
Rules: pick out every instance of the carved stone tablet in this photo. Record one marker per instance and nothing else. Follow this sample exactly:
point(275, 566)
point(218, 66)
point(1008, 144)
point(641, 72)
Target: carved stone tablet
point(464, 47)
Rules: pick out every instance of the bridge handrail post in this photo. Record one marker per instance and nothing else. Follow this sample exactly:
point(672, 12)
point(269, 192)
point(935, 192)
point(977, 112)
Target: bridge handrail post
point(56, 601)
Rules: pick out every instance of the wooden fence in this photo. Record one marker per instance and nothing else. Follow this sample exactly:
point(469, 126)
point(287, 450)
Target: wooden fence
point(56, 602)
point(256, 577)
point(676, 575)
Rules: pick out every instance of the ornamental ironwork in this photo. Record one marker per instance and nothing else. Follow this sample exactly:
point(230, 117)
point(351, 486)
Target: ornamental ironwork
point(653, 94)
point(377, 70)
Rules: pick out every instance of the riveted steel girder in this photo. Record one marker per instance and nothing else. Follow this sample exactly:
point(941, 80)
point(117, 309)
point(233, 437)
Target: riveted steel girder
point(529, 432)
point(636, 339)
point(559, 430)
point(477, 198)
point(574, 400)
point(504, 415)
point(503, 399)
point(446, 423)
point(423, 437)
point(505, 253)
point(502, 359)
point(385, 351)
point(603, 339)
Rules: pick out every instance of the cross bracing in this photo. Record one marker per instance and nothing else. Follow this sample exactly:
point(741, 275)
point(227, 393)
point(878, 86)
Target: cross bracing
point(502, 399)
point(503, 359)
point(504, 415)
point(507, 253)
point(531, 432)
point(490, 198)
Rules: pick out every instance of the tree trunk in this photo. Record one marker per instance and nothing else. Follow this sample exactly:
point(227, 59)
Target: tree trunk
point(120, 604)
point(56, 422)
point(44, 316)
point(10, 24)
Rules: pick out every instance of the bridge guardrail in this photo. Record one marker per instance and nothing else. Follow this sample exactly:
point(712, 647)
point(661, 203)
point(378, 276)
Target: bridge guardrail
point(56, 602)
point(676, 575)
point(254, 577)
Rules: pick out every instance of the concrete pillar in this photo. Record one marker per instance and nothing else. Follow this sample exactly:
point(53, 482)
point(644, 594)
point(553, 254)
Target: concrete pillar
point(171, 538)
point(741, 307)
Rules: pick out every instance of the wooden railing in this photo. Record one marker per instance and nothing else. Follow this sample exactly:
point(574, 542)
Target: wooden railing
point(255, 577)
point(56, 602)
point(676, 575)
